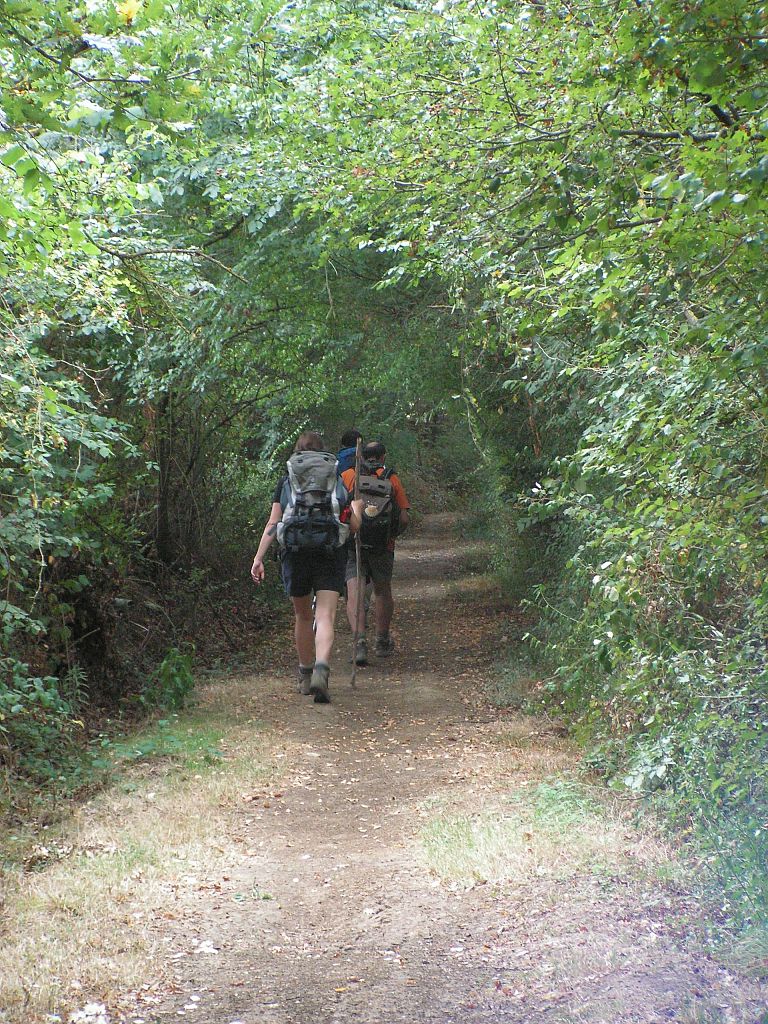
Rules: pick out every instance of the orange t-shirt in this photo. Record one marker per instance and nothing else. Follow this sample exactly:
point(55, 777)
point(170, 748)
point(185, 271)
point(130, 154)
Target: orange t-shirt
point(401, 498)
point(398, 492)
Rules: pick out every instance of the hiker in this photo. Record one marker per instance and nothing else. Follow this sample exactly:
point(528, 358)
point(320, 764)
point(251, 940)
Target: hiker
point(346, 456)
point(384, 515)
point(346, 460)
point(312, 516)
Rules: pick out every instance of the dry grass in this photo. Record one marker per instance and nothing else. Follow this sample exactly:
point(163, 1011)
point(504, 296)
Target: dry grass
point(748, 954)
point(530, 748)
point(555, 829)
point(79, 922)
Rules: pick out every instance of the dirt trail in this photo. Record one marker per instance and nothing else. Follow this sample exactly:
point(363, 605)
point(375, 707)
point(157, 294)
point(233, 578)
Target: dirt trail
point(345, 920)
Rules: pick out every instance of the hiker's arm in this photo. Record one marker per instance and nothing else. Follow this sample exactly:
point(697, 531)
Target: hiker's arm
point(257, 569)
point(401, 500)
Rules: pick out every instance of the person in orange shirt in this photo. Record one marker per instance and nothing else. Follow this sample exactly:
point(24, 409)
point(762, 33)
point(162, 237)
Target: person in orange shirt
point(377, 563)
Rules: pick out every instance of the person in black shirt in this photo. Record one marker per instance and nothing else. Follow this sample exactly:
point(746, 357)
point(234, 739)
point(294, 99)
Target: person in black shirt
point(306, 574)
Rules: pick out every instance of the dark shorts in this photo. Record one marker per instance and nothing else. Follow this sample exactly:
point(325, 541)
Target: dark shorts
point(377, 565)
point(305, 574)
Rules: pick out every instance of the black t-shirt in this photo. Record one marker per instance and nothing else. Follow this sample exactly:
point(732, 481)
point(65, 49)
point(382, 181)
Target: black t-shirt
point(279, 490)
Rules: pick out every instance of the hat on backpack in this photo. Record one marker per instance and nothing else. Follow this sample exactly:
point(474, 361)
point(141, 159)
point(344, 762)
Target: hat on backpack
point(374, 450)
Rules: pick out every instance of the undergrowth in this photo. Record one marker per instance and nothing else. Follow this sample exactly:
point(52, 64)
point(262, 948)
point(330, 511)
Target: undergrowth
point(664, 703)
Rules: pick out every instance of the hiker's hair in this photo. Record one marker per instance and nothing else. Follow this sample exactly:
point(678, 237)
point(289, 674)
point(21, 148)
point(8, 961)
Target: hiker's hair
point(349, 438)
point(309, 441)
point(374, 450)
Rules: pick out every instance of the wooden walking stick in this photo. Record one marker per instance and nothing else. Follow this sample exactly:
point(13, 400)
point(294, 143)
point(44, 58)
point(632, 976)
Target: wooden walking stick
point(360, 589)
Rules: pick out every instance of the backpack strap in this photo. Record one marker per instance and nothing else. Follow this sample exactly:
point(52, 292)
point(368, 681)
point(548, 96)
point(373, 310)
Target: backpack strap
point(372, 469)
point(295, 489)
point(292, 490)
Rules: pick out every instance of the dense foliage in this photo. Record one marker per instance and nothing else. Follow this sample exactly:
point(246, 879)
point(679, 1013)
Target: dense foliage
point(525, 240)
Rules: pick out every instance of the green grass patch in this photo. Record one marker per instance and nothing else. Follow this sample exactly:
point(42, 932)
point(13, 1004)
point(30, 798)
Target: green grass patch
point(120, 861)
point(512, 681)
point(564, 803)
point(747, 953)
point(189, 741)
point(556, 829)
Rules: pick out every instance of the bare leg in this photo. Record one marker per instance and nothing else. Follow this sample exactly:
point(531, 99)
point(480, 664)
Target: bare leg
point(325, 614)
point(305, 639)
point(384, 606)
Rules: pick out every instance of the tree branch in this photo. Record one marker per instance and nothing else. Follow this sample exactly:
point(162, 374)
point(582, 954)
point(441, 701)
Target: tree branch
point(225, 233)
point(643, 133)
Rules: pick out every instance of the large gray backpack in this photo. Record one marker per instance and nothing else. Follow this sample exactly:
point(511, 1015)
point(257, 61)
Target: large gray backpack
point(380, 513)
point(312, 499)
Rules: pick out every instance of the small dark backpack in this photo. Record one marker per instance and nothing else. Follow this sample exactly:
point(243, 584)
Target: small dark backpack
point(379, 508)
point(312, 497)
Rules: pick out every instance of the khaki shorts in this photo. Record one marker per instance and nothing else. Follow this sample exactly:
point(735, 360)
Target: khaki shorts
point(374, 565)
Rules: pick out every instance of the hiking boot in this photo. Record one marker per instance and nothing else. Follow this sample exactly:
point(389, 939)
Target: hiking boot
point(305, 677)
point(318, 685)
point(385, 645)
point(361, 651)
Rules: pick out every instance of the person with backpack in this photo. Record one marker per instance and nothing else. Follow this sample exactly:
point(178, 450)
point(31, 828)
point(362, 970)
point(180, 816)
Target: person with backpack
point(312, 516)
point(384, 515)
point(346, 456)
